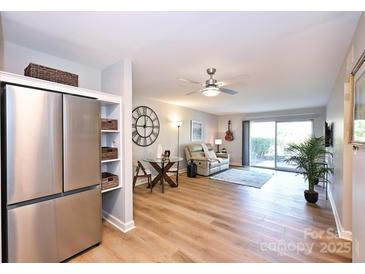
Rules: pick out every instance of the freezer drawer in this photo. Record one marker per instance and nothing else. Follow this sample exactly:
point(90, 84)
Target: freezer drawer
point(32, 233)
point(78, 222)
point(33, 143)
point(81, 118)
point(54, 230)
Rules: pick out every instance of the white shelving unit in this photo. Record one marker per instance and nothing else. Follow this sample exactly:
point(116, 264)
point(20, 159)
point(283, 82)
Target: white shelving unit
point(111, 138)
point(111, 189)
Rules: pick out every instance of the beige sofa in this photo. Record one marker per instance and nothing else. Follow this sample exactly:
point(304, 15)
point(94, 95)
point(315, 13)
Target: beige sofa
point(206, 165)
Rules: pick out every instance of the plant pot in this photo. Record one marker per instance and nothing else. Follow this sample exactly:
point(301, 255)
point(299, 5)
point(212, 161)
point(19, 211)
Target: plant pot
point(311, 196)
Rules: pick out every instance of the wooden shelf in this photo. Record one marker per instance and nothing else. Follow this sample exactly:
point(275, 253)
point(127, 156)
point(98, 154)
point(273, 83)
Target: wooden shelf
point(109, 131)
point(109, 161)
point(111, 189)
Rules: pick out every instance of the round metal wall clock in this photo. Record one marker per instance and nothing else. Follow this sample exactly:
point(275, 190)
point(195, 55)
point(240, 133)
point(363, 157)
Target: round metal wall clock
point(145, 126)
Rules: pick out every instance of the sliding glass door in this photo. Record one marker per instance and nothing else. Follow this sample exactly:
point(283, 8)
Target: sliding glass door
point(269, 140)
point(262, 144)
point(290, 133)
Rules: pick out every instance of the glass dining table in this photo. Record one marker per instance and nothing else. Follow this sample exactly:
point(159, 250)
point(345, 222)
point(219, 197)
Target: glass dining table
point(162, 166)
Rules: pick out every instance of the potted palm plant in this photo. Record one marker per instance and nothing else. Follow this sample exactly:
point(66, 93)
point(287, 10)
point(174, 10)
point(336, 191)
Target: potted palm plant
point(308, 158)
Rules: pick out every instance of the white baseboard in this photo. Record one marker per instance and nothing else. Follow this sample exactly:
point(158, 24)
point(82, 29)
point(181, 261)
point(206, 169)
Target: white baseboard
point(144, 180)
point(124, 227)
point(342, 233)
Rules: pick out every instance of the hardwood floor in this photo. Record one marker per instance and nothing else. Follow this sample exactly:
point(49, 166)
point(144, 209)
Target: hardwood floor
point(204, 220)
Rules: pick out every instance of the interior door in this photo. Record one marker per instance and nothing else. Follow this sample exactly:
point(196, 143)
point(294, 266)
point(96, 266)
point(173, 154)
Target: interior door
point(81, 119)
point(33, 143)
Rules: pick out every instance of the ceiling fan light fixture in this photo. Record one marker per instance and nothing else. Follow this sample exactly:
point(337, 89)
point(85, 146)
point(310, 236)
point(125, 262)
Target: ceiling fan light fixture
point(211, 87)
point(211, 91)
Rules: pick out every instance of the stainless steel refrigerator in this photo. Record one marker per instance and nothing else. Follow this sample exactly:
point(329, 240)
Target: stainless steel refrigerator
point(51, 198)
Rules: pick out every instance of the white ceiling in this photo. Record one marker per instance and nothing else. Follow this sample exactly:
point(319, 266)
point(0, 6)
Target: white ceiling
point(292, 57)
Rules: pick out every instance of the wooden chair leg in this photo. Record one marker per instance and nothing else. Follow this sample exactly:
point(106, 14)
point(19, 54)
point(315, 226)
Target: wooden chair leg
point(177, 174)
point(135, 177)
point(150, 181)
point(134, 181)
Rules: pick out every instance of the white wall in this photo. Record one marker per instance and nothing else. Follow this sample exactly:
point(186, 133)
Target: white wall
point(1, 68)
point(347, 186)
point(17, 58)
point(167, 114)
point(358, 187)
point(353, 179)
point(1, 46)
point(235, 147)
point(341, 179)
point(118, 204)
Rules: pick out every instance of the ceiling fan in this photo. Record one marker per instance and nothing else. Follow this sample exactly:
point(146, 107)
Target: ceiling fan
point(212, 87)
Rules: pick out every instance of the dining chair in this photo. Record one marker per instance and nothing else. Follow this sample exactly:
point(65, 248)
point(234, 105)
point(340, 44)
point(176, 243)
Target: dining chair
point(175, 170)
point(142, 172)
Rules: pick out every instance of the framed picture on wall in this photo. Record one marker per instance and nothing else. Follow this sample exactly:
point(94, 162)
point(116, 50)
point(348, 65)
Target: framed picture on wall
point(358, 99)
point(196, 131)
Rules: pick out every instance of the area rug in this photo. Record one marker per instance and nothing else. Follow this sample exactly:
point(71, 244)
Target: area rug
point(243, 177)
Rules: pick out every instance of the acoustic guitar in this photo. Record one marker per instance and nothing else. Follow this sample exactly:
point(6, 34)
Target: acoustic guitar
point(229, 133)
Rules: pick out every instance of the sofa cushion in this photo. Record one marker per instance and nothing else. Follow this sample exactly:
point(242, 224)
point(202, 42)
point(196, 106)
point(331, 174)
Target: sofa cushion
point(209, 146)
point(211, 155)
point(223, 160)
point(209, 152)
point(195, 148)
point(214, 163)
point(197, 155)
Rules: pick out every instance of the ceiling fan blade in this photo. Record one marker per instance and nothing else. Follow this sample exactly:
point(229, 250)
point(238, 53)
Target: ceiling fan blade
point(190, 81)
point(192, 92)
point(232, 80)
point(228, 91)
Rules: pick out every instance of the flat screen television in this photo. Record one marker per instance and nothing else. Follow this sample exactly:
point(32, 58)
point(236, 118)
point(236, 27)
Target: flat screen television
point(328, 134)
